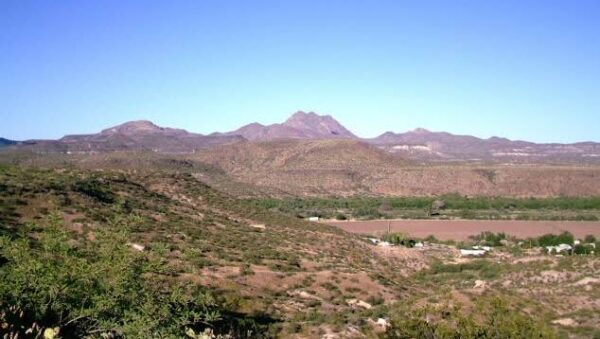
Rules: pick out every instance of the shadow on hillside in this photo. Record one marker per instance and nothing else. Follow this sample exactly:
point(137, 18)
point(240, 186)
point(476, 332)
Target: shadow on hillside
point(241, 325)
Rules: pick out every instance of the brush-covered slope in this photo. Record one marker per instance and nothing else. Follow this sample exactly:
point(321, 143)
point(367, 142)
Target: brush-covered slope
point(258, 265)
point(150, 253)
point(346, 167)
point(302, 167)
point(332, 168)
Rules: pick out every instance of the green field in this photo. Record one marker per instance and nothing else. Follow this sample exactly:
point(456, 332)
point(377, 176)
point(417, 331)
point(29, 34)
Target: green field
point(454, 206)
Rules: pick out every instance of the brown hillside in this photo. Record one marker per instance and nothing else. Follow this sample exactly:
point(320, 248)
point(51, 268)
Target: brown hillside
point(322, 167)
point(343, 167)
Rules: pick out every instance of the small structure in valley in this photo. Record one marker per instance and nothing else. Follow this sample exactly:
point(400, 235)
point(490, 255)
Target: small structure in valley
point(475, 251)
point(566, 248)
point(471, 252)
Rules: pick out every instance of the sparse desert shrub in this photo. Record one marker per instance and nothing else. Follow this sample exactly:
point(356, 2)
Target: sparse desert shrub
point(493, 317)
point(368, 213)
point(246, 270)
point(94, 189)
point(483, 268)
point(399, 239)
point(375, 299)
point(490, 239)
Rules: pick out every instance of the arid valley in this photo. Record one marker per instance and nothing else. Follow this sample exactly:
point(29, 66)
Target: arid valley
point(245, 216)
point(339, 169)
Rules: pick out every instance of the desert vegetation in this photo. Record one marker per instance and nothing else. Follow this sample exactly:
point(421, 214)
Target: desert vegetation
point(445, 206)
point(157, 253)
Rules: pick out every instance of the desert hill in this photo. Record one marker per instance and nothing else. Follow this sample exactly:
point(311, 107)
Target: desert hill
point(349, 167)
point(300, 125)
point(133, 135)
point(307, 166)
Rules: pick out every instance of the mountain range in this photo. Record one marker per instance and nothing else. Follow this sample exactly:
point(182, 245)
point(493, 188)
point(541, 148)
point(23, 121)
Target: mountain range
point(419, 144)
point(6, 142)
point(134, 135)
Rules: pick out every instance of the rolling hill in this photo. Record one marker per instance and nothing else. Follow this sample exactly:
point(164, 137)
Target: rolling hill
point(350, 167)
point(301, 166)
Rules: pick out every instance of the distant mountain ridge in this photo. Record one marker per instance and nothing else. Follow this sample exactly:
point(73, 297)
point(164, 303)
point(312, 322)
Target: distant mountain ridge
point(300, 125)
point(6, 142)
point(134, 135)
point(442, 146)
point(419, 144)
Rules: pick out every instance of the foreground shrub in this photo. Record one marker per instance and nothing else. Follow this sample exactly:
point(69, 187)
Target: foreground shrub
point(94, 288)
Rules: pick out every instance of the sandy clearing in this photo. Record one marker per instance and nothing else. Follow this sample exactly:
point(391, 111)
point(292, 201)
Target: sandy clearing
point(462, 229)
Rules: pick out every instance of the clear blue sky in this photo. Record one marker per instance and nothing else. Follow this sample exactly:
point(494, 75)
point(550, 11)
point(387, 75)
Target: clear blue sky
point(519, 69)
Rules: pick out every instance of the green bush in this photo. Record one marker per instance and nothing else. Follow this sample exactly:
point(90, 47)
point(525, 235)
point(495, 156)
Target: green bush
point(399, 239)
point(340, 216)
point(95, 287)
point(583, 249)
point(94, 189)
point(553, 240)
point(490, 238)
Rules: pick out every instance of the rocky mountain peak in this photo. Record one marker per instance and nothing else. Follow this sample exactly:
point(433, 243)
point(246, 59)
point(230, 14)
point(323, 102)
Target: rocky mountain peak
point(133, 127)
point(420, 131)
point(316, 125)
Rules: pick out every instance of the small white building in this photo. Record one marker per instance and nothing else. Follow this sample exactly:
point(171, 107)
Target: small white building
point(474, 253)
point(313, 219)
point(559, 249)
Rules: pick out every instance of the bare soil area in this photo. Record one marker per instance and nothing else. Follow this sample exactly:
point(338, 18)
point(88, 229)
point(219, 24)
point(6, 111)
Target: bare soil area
point(462, 229)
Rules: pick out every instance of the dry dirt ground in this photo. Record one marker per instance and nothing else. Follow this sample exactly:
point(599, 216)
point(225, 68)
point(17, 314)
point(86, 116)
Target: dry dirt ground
point(462, 229)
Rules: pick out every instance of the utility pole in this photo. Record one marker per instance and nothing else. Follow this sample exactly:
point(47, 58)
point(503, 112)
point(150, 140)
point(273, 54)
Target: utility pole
point(389, 226)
